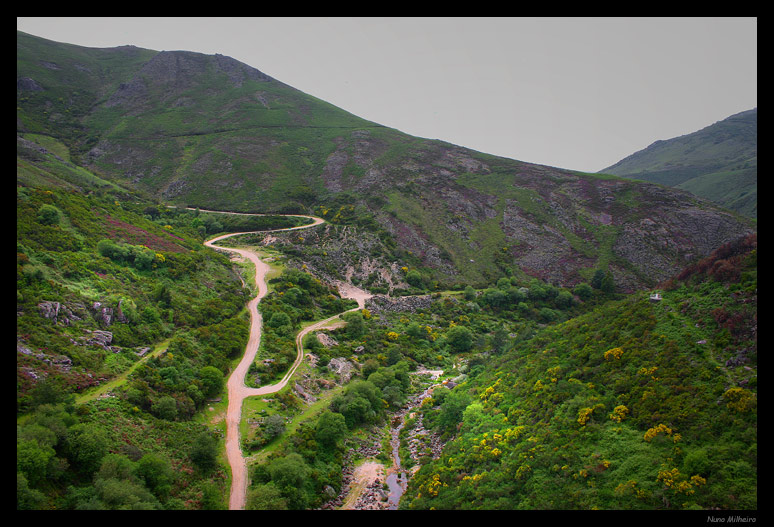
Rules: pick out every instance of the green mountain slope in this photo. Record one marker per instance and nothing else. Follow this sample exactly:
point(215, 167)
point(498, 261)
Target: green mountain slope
point(209, 131)
point(719, 163)
point(634, 405)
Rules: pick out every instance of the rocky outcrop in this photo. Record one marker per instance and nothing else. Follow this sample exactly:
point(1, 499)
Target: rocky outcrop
point(99, 338)
point(60, 313)
point(326, 340)
point(342, 368)
point(67, 314)
point(102, 313)
point(61, 362)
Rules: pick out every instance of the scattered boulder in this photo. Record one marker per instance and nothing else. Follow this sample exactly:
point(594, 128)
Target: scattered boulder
point(327, 340)
point(303, 394)
point(341, 367)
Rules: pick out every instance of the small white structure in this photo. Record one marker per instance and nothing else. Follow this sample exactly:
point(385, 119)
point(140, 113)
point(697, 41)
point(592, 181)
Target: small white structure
point(655, 297)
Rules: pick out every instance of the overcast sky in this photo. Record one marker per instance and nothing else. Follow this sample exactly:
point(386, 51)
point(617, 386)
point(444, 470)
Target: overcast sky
point(577, 93)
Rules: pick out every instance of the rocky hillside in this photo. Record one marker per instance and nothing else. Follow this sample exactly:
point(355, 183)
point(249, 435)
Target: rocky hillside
point(719, 163)
point(209, 131)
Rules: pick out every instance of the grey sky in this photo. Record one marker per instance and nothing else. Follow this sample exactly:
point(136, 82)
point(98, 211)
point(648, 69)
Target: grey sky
point(578, 93)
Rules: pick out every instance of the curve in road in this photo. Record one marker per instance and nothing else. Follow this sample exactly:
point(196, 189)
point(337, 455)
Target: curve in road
point(237, 391)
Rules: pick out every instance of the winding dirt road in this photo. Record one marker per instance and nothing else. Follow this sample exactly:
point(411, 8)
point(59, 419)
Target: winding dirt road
point(237, 391)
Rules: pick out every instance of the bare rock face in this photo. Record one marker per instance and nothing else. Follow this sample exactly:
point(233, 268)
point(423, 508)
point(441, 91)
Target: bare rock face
point(49, 310)
point(60, 313)
point(100, 338)
point(102, 313)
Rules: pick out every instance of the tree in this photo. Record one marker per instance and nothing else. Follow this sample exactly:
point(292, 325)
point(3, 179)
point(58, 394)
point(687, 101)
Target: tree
point(608, 284)
point(470, 293)
point(596, 280)
point(204, 452)
point(157, 473)
point(494, 298)
point(48, 215)
point(291, 475)
point(564, 300)
point(27, 498)
point(266, 498)
point(117, 494)
point(460, 339)
point(165, 408)
point(296, 297)
point(212, 380)
point(584, 291)
point(143, 259)
point(331, 426)
point(86, 445)
point(355, 325)
point(414, 278)
point(451, 411)
point(151, 211)
point(355, 410)
point(273, 426)
point(117, 466)
point(414, 330)
point(278, 319)
point(499, 339)
point(32, 460)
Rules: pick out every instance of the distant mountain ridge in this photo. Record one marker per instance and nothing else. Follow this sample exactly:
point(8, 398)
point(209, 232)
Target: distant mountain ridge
point(718, 162)
point(208, 131)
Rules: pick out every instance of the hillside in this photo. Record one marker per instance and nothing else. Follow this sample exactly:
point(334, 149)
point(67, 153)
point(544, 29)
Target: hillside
point(633, 405)
point(719, 163)
point(506, 281)
point(211, 132)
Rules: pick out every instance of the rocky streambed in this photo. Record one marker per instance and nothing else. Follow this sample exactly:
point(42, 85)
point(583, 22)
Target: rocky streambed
point(368, 486)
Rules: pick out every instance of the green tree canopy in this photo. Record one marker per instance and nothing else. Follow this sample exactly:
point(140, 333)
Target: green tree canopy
point(460, 339)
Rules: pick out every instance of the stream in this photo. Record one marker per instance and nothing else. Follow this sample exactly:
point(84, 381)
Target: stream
point(397, 477)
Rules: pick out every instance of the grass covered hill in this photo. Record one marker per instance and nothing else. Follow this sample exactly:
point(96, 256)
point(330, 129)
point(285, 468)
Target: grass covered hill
point(719, 163)
point(211, 132)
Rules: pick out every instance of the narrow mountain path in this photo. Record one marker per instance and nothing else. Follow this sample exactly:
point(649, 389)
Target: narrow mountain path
point(237, 391)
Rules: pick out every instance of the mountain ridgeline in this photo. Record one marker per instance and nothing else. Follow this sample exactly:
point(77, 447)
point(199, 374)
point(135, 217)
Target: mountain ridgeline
point(719, 163)
point(210, 132)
